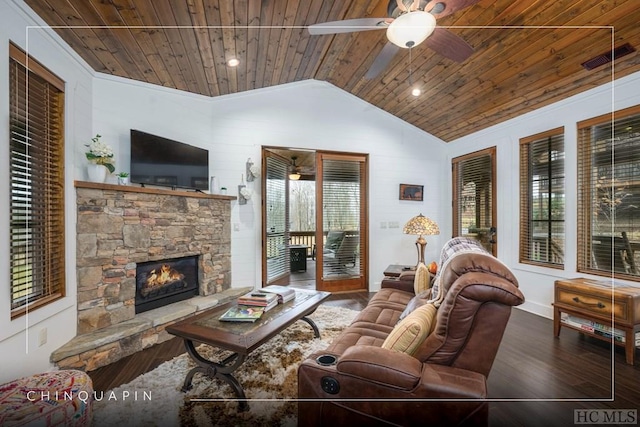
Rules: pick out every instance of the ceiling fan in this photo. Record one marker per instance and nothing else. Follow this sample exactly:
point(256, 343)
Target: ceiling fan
point(409, 23)
point(302, 169)
point(294, 173)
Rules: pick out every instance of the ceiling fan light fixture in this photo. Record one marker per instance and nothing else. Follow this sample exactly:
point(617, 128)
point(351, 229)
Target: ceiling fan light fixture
point(294, 175)
point(411, 29)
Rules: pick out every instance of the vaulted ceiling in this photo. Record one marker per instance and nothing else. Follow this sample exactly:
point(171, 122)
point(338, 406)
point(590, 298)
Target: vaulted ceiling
point(527, 53)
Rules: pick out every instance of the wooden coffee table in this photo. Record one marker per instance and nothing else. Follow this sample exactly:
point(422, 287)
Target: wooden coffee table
point(240, 337)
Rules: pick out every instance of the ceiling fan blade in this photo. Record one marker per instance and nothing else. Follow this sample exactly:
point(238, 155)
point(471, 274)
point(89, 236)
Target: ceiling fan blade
point(347, 26)
point(382, 60)
point(450, 6)
point(449, 45)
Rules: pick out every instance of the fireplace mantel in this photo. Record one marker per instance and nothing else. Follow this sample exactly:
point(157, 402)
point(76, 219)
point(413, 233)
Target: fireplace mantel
point(134, 188)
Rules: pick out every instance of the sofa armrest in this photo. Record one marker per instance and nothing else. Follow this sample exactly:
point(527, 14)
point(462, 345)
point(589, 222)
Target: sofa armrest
point(403, 283)
point(381, 365)
point(398, 370)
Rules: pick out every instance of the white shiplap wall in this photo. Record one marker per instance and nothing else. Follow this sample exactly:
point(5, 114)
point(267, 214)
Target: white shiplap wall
point(309, 114)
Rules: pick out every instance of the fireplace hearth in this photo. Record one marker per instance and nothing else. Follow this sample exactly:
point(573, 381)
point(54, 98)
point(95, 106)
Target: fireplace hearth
point(163, 282)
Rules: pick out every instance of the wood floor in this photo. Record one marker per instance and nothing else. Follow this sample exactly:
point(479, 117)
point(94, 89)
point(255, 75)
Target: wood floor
point(536, 380)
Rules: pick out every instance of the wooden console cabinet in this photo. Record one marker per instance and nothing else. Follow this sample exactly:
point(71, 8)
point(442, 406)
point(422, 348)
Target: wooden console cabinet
point(598, 301)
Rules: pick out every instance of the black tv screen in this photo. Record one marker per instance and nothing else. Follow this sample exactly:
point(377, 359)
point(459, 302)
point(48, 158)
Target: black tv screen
point(160, 161)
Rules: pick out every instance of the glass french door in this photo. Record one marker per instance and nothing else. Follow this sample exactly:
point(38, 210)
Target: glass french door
point(276, 267)
point(341, 222)
point(474, 198)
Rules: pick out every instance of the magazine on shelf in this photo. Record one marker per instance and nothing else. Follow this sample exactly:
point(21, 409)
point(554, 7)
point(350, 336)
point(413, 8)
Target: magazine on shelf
point(597, 328)
point(242, 313)
point(285, 294)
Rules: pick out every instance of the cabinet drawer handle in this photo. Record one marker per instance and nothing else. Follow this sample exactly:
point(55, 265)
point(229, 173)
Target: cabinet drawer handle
point(593, 304)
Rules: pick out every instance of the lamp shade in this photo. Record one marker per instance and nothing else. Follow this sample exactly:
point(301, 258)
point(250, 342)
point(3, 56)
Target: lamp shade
point(421, 225)
point(411, 29)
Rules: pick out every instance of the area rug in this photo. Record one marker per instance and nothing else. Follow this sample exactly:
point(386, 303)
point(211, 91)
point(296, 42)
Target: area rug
point(269, 378)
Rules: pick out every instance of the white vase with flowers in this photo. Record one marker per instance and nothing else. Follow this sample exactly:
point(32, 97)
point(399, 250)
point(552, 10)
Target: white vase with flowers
point(100, 156)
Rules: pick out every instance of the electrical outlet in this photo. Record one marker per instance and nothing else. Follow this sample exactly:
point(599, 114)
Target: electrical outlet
point(42, 337)
point(383, 224)
point(236, 227)
point(394, 224)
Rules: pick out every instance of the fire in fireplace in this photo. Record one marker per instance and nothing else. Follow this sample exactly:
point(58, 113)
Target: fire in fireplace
point(164, 282)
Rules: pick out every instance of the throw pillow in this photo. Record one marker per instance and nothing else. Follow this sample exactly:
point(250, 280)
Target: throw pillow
point(422, 279)
point(411, 332)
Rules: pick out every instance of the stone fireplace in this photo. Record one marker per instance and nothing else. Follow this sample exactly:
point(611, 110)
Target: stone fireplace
point(119, 227)
point(122, 234)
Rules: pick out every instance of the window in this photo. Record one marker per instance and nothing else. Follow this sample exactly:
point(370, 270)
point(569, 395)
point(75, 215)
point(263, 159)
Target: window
point(36, 162)
point(474, 197)
point(542, 199)
point(609, 194)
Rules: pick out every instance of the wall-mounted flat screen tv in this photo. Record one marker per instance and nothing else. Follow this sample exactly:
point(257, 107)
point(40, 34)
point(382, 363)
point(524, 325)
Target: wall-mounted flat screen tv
point(160, 161)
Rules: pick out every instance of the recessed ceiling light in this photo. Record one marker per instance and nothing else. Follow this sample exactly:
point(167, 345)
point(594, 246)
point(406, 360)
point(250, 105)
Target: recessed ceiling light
point(233, 62)
point(416, 92)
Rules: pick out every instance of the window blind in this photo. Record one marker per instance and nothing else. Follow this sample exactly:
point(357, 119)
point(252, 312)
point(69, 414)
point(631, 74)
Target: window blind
point(609, 194)
point(277, 218)
point(36, 163)
point(542, 201)
point(342, 211)
point(473, 188)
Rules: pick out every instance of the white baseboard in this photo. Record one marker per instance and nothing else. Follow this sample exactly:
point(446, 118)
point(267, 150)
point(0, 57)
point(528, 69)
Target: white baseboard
point(538, 309)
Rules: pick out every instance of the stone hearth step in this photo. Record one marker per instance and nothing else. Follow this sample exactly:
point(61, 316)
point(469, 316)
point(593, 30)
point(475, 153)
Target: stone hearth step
point(96, 349)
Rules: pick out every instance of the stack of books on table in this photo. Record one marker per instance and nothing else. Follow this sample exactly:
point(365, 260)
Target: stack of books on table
point(284, 293)
point(259, 299)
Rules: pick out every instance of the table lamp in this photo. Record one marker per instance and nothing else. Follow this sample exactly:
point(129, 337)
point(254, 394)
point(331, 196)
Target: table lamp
point(421, 225)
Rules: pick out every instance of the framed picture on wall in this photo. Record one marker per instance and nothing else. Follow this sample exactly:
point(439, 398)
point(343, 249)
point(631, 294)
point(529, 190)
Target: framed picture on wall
point(411, 192)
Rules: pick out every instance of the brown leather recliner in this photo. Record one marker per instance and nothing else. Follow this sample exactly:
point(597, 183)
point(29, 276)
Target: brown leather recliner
point(443, 383)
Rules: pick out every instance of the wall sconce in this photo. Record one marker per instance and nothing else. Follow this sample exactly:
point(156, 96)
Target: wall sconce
point(244, 194)
point(253, 171)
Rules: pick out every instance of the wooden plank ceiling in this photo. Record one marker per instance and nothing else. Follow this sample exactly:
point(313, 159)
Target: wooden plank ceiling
point(528, 53)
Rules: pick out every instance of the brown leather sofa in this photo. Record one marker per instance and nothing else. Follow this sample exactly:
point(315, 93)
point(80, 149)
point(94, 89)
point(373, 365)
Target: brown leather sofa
point(443, 383)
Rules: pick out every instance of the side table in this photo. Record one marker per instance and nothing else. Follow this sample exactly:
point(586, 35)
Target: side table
point(597, 301)
point(298, 257)
point(394, 270)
